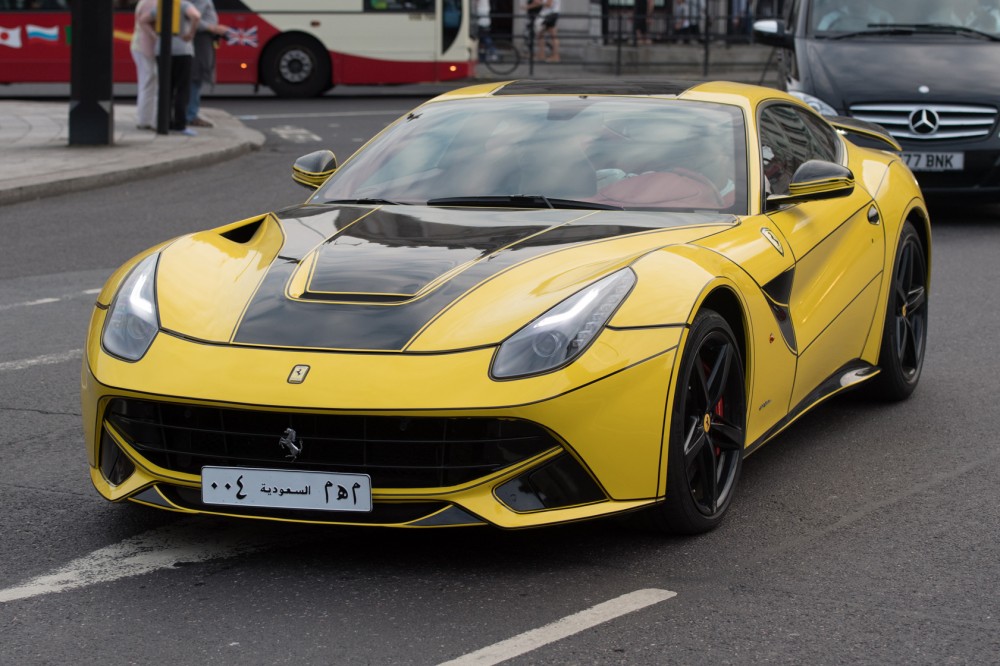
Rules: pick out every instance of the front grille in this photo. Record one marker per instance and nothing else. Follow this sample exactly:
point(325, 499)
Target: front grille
point(397, 452)
point(930, 122)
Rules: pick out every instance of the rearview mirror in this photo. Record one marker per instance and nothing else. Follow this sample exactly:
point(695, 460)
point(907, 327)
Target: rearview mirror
point(313, 169)
point(813, 181)
point(772, 32)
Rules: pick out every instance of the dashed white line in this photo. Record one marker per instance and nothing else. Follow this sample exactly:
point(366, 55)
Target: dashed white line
point(46, 301)
point(572, 624)
point(163, 548)
point(45, 359)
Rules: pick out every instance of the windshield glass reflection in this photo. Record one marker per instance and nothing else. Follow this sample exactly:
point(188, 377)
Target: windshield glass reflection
point(634, 154)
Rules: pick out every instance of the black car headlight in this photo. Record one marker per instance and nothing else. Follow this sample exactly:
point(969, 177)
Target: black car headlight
point(132, 320)
point(560, 335)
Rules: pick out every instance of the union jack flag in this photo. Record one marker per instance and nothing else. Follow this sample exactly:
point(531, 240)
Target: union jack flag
point(241, 37)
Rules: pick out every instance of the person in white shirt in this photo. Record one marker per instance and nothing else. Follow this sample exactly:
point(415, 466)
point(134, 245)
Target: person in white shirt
point(144, 54)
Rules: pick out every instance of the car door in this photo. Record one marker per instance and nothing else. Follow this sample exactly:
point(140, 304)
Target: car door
point(838, 249)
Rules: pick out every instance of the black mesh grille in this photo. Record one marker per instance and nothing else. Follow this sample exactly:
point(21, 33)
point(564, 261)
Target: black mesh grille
point(397, 452)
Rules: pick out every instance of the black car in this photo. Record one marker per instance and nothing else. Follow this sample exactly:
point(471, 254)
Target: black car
point(926, 70)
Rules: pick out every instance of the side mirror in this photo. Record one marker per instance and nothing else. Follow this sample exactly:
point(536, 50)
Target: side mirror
point(772, 32)
point(313, 169)
point(813, 181)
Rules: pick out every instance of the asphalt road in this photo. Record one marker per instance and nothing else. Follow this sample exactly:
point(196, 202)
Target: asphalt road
point(864, 534)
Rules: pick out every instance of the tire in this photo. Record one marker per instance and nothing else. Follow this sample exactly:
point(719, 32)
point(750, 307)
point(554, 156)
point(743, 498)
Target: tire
point(503, 59)
point(296, 66)
point(707, 431)
point(904, 337)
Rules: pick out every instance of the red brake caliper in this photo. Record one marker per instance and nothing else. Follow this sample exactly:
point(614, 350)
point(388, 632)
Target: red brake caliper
point(719, 410)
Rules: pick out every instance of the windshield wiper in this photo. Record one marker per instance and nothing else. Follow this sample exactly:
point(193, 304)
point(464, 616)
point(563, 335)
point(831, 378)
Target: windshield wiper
point(521, 201)
point(367, 202)
point(913, 28)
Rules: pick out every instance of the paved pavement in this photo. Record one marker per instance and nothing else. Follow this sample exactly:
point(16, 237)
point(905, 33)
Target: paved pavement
point(36, 159)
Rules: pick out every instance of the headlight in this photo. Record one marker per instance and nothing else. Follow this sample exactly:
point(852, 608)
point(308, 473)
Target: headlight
point(132, 321)
point(564, 332)
point(818, 105)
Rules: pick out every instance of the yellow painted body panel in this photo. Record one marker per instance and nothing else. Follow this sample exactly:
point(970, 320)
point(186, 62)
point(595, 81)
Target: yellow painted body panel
point(205, 280)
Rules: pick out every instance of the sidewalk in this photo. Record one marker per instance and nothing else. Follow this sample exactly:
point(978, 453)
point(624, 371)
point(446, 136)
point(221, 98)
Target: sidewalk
point(36, 159)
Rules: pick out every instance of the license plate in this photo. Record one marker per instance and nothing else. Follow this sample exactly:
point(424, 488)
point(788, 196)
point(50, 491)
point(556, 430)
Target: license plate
point(935, 161)
point(286, 489)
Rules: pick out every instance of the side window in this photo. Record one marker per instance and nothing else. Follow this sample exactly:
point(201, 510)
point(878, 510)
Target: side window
point(789, 137)
point(409, 6)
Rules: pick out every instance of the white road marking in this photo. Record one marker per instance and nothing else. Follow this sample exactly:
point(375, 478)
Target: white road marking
point(46, 359)
point(333, 114)
point(295, 134)
point(183, 542)
point(573, 624)
point(46, 301)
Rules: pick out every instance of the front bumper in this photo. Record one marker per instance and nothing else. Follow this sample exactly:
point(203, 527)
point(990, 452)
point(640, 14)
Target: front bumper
point(598, 425)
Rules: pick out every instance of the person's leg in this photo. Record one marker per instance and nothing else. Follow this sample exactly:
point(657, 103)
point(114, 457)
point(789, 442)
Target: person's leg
point(181, 82)
point(194, 101)
point(146, 89)
point(554, 37)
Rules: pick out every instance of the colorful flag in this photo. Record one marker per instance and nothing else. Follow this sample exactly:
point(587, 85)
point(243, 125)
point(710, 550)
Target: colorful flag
point(38, 32)
point(241, 37)
point(10, 37)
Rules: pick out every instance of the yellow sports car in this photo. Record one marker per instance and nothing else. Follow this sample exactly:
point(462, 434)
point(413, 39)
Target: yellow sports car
point(521, 304)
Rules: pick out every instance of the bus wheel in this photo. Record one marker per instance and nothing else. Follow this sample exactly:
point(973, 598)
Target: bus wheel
point(296, 66)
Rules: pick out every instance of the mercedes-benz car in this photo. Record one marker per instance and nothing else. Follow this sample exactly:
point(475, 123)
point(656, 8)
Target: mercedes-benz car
point(520, 304)
point(926, 70)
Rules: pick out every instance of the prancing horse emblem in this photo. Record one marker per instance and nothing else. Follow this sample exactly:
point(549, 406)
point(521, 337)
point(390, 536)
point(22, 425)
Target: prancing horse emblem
point(288, 443)
point(773, 240)
point(298, 374)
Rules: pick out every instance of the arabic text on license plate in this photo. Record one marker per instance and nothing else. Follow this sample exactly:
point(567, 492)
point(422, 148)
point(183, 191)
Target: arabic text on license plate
point(286, 489)
point(935, 161)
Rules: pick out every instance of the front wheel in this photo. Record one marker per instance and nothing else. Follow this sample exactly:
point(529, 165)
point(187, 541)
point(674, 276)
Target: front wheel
point(502, 58)
point(296, 67)
point(707, 430)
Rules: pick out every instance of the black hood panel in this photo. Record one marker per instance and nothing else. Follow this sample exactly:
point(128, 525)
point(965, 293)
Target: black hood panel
point(379, 275)
point(885, 69)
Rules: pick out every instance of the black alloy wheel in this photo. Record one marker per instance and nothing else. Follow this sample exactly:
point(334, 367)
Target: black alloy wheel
point(707, 430)
point(904, 338)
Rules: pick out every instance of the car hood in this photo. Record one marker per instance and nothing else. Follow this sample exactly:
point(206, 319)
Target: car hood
point(869, 69)
point(398, 278)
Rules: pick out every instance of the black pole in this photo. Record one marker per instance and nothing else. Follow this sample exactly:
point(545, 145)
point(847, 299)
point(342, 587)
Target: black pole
point(166, 13)
point(708, 36)
point(91, 108)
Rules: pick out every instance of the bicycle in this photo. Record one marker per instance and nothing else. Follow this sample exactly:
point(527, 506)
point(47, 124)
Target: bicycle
point(500, 56)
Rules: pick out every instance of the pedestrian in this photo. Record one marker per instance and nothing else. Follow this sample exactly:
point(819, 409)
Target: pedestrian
point(483, 24)
point(643, 10)
point(687, 17)
point(203, 66)
point(549, 16)
point(144, 54)
point(181, 57)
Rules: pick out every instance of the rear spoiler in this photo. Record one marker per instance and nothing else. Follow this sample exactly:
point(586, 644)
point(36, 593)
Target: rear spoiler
point(868, 130)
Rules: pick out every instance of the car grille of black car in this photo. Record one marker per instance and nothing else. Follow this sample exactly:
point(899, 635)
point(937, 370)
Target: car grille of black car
point(397, 452)
point(930, 122)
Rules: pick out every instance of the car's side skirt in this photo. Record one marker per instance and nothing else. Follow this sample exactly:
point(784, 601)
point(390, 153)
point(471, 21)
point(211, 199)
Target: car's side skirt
point(848, 376)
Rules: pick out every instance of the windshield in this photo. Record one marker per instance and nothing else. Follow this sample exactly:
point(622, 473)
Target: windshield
point(832, 17)
point(555, 151)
